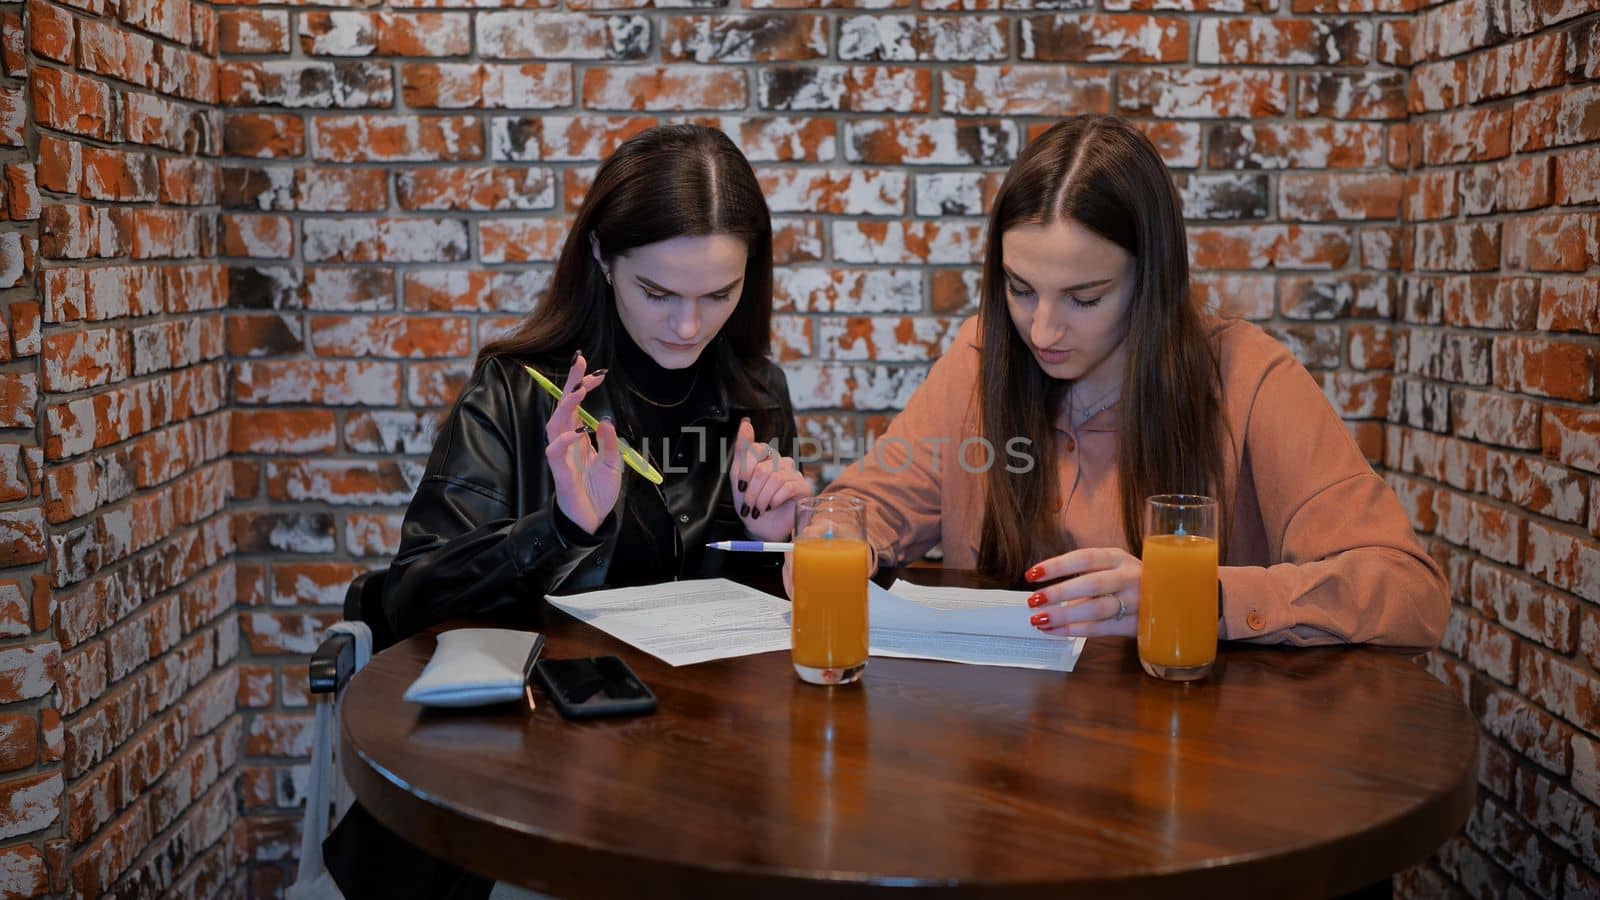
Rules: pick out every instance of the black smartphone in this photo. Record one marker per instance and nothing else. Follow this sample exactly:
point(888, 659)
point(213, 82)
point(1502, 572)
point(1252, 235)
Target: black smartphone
point(594, 686)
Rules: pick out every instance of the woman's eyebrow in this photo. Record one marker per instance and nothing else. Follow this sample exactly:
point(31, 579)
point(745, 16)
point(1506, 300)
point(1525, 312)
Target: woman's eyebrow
point(664, 290)
point(1072, 287)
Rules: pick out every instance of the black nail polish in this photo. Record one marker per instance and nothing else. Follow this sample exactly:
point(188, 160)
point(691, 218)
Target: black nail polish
point(575, 355)
point(743, 485)
point(580, 429)
point(744, 510)
point(755, 514)
point(598, 372)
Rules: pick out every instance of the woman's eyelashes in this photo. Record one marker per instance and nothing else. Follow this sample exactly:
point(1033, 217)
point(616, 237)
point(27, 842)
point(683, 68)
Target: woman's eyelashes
point(662, 298)
point(1028, 295)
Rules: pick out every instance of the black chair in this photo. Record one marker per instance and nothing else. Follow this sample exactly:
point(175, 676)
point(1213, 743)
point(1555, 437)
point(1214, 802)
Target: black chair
point(335, 658)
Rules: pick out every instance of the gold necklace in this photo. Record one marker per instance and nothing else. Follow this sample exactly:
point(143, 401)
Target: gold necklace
point(693, 382)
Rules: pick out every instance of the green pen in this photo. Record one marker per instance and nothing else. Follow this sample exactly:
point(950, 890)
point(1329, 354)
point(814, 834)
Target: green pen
point(630, 456)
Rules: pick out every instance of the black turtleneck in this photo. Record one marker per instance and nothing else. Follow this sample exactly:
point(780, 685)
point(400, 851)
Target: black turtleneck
point(655, 405)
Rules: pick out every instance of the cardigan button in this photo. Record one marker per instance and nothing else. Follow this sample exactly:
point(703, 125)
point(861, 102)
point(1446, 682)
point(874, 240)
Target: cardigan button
point(1070, 444)
point(1255, 620)
point(683, 517)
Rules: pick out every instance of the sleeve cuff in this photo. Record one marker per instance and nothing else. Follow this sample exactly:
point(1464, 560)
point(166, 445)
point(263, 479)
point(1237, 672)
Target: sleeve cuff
point(1248, 612)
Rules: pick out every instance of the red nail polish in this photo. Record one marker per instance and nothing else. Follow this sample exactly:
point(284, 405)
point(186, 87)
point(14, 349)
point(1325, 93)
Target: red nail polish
point(1037, 600)
point(1035, 573)
point(1040, 619)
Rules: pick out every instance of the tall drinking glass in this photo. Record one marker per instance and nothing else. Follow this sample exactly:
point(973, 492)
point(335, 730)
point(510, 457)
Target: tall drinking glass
point(830, 589)
point(1178, 593)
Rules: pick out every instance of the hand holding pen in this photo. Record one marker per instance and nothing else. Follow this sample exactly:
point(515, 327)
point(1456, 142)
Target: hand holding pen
point(588, 480)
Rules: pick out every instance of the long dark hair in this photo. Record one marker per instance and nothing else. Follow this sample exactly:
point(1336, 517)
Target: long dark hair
point(1104, 174)
point(667, 182)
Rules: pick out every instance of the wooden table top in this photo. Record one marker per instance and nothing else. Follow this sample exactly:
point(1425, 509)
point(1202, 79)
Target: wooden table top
point(1288, 773)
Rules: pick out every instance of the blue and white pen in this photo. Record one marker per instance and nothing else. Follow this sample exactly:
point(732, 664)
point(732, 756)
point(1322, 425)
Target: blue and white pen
point(752, 546)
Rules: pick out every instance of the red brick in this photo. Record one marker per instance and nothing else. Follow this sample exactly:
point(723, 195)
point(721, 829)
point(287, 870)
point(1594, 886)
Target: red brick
point(834, 191)
point(1557, 119)
point(1577, 176)
point(1017, 90)
point(1101, 38)
point(30, 803)
point(906, 242)
point(765, 139)
point(665, 88)
point(263, 135)
point(386, 240)
point(1314, 145)
point(390, 336)
point(1572, 436)
point(397, 138)
point(1322, 198)
point(1263, 246)
point(1201, 93)
point(1552, 243)
point(1341, 95)
point(1517, 68)
point(521, 240)
point(493, 86)
point(1437, 86)
point(282, 432)
point(1491, 302)
point(69, 102)
point(372, 534)
point(330, 383)
point(1308, 42)
point(930, 142)
point(258, 237)
point(745, 38)
point(1471, 135)
point(475, 188)
point(13, 45)
point(50, 31)
point(243, 31)
point(1451, 247)
point(968, 38)
point(879, 89)
point(1569, 304)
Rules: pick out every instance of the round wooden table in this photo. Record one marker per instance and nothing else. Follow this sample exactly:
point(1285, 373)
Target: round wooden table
point(1289, 773)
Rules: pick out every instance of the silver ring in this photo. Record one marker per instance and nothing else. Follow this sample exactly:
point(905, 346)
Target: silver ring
point(1122, 610)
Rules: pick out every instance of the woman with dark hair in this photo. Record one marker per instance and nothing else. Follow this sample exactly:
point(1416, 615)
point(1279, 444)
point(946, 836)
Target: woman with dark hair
point(1089, 381)
point(658, 323)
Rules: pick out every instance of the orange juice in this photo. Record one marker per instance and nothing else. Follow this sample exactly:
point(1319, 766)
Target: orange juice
point(830, 603)
point(1178, 601)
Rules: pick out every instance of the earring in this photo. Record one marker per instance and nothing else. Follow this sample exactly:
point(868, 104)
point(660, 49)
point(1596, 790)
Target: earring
point(608, 277)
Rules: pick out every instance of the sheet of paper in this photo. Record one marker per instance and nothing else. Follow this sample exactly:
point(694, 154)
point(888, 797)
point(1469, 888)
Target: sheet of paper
point(965, 625)
point(684, 622)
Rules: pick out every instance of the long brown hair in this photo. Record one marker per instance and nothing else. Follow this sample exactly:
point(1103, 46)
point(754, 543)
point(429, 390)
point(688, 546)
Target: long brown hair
point(667, 182)
point(1105, 175)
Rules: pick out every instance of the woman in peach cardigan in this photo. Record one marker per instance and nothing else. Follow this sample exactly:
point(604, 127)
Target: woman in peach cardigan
point(1088, 381)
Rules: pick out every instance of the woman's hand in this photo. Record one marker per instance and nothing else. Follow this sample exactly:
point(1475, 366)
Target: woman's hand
point(765, 487)
point(588, 481)
point(1100, 595)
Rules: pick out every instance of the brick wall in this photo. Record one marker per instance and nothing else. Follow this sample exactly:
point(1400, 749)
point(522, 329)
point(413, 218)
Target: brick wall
point(219, 377)
point(1494, 441)
point(120, 734)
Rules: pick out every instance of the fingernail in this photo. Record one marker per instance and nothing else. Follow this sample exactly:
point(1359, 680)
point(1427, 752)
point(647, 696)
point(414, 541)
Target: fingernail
point(1036, 600)
point(1040, 619)
point(755, 513)
point(580, 429)
point(575, 355)
point(605, 418)
point(744, 510)
point(743, 485)
point(1035, 573)
point(598, 372)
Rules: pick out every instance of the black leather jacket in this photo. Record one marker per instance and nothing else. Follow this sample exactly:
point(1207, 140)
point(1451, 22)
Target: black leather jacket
point(483, 538)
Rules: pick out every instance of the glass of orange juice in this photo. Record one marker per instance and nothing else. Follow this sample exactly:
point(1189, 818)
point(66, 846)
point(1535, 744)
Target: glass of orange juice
point(830, 589)
point(1178, 592)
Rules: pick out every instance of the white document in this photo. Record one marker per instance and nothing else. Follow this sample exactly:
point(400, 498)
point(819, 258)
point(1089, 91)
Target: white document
point(965, 625)
point(684, 622)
